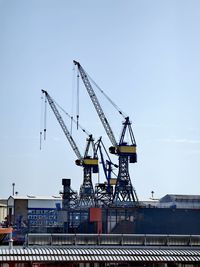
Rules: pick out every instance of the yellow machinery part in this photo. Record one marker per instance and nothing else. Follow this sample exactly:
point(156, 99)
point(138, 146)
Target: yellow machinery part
point(90, 161)
point(113, 181)
point(127, 149)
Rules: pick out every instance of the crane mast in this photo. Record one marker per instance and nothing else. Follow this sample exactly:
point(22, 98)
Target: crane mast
point(125, 193)
point(89, 164)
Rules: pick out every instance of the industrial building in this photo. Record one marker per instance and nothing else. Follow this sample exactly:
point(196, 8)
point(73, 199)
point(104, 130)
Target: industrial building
point(172, 214)
point(180, 201)
point(3, 211)
point(105, 225)
point(33, 212)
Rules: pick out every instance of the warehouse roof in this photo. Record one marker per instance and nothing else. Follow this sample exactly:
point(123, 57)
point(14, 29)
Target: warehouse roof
point(99, 254)
point(182, 198)
point(32, 197)
point(58, 239)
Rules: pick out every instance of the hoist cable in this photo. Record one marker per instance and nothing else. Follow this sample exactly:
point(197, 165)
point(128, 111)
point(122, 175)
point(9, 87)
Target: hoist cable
point(71, 125)
point(41, 121)
point(77, 104)
point(45, 118)
point(72, 95)
point(71, 118)
point(108, 98)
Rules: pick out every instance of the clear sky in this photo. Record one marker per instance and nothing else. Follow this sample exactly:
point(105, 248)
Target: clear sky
point(145, 54)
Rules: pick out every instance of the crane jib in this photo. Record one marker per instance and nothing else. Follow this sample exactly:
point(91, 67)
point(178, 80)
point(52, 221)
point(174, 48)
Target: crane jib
point(124, 191)
point(96, 104)
point(62, 124)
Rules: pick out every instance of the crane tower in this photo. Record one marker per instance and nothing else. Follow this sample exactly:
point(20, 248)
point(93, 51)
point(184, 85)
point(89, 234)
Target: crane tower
point(124, 193)
point(89, 163)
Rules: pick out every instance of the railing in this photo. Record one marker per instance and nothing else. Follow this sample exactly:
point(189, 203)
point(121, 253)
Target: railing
point(111, 240)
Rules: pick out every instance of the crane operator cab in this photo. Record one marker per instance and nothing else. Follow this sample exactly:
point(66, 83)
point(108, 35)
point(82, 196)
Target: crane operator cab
point(124, 149)
point(89, 162)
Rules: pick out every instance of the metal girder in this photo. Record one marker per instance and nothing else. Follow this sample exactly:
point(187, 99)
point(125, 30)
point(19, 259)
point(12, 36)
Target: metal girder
point(86, 196)
point(124, 191)
point(96, 104)
point(62, 124)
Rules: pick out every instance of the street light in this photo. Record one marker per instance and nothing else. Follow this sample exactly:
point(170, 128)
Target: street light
point(13, 185)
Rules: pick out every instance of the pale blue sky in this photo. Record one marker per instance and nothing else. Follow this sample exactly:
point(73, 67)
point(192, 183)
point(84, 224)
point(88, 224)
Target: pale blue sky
point(144, 54)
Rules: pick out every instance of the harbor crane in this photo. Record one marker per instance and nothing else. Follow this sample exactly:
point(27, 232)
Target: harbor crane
point(106, 164)
point(89, 163)
point(124, 193)
point(104, 191)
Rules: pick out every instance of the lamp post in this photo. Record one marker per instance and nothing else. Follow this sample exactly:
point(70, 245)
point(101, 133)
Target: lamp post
point(13, 185)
